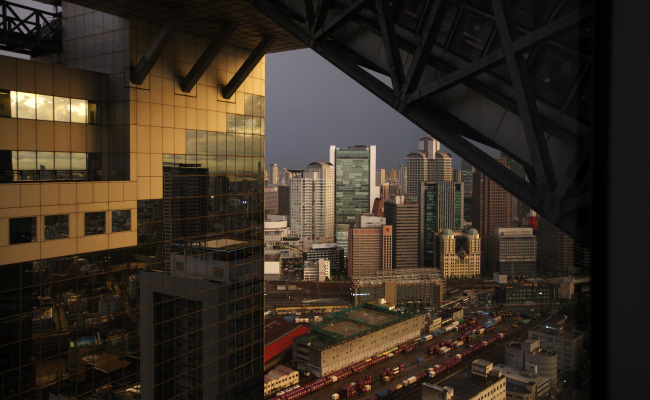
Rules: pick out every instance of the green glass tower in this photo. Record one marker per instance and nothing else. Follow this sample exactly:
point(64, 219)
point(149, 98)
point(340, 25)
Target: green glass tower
point(355, 189)
point(441, 207)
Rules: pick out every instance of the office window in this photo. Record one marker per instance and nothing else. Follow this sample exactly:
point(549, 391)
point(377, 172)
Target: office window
point(7, 103)
point(56, 227)
point(121, 220)
point(26, 105)
point(62, 109)
point(22, 230)
point(78, 111)
point(44, 107)
point(93, 113)
point(95, 223)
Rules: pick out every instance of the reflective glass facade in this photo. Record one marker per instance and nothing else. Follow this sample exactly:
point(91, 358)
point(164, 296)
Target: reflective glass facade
point(441, 205)
point(148, 280)
point(352, 183)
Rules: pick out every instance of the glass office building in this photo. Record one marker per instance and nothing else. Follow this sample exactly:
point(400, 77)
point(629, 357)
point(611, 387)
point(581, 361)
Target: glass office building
point(355, 189)
point(131, 219)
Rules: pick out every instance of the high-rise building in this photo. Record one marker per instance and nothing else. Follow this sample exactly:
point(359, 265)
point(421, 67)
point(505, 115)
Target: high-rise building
point(442, 170)
point(513, 251)
point(429, 145)
point(381, 177)
point(419, 169)
point(402, 178)
point(370, 250)
point(271, 200)
point(441, 207)
point(458, 177)
point(273, 175)
point(355, 169)
point(284, 192)
point(312, 204)
point(393, 176)
point(404, 218)
point(459, 253)
point(554, 250)
point(131, 217)
point(342, 237)
point(491, 207)
point(467, 174)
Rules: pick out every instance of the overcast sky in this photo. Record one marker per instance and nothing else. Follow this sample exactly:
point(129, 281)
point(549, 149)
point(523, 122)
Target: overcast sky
point(310, 105)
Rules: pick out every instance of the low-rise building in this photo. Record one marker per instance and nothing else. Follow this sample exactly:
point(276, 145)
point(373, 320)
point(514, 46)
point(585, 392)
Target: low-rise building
point(353, 335)
point(279, 378)
point(481, 382)
point(524, 384)
point(275, 228)
point(527, 291)
point(316, 270)
point(568, 345)
point(529, 356)
point(328, 251)
point(398, 286)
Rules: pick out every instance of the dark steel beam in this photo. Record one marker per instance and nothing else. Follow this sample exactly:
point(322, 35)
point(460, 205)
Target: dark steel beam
point(391, 48)
point(309, 15)
point(448, 129)
point(248, 66)
point(286, 23)
point(209, 54)
point(332, 52)
point(157, 47)
point(344, 16)
point(490, 60)
point(425, 45)
point(323, 9)
point(534, 133)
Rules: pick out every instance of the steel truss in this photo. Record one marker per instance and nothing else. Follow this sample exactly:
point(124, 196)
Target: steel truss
point(29, 30)
point(464, 83)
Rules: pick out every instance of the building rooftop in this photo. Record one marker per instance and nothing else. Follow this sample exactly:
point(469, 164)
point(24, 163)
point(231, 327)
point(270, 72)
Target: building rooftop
point(347, 324)
point(466, 385)
point(400, 275)
point(515, 375)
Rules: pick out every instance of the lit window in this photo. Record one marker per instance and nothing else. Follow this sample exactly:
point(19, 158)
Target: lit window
point(44, 107)
point(26, 105)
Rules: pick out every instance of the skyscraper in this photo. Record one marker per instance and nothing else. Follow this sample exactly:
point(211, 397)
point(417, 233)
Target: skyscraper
point(381, 177)
point(370, 250)
point(312, 204)
point(442, 170)
point(513, 251)
point(402, 178)
point(554, 250)
point(273, 175)
point(429, 145)
point(355, 169)
point(404, 218)
point(467, 173)
point(131, 247)
point(419, 169)
point(441, 207)
point(491, 207)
